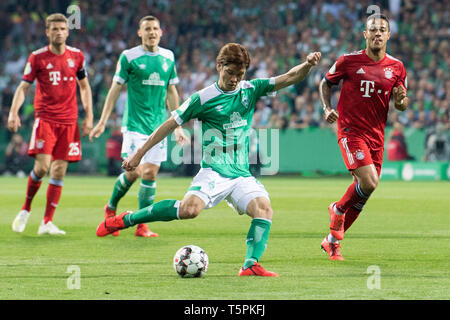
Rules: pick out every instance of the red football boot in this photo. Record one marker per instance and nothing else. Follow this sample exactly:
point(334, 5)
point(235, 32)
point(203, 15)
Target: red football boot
point(143, 231)
point(336, 223)
point(256, 270)
point(110, 213)
point(111, 224)
point(333, 249)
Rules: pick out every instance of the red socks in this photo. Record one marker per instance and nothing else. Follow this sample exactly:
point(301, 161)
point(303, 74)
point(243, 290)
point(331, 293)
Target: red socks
point(352, 204)
point(351, 197)
point(34, 182)
point(53, 194)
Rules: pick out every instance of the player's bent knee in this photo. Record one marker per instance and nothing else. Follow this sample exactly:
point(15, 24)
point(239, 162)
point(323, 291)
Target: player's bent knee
point(265, 212)
point(41, 168)
point(149, 173)
point(40, 171)
point(260, 208)
point(190, 209)
point(58, 169)
point(370, 185)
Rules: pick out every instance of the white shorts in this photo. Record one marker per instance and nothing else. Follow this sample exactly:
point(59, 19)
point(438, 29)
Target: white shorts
point(134, 140)
point(212, 188)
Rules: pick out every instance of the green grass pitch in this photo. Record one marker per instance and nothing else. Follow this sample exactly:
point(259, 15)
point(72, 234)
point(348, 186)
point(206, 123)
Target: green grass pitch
point(403, 234)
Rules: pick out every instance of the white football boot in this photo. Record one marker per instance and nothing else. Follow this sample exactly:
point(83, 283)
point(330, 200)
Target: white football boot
point(50, 228)
point(20, 222)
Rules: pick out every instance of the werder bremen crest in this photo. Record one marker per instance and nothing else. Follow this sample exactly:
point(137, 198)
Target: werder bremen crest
point(236, 121)
point(165, 66)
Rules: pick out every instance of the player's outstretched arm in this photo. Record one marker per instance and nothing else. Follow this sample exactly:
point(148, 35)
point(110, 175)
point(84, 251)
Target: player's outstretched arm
point(86, 100)
point(297, 73)
point(157, 136)
point(173, 103)
point(110, 102)
point(329, 113)
point(18, 99)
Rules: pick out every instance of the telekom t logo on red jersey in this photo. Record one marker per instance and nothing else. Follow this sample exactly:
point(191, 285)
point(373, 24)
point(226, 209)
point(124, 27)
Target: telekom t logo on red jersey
point(367, 87)
point(55, 77)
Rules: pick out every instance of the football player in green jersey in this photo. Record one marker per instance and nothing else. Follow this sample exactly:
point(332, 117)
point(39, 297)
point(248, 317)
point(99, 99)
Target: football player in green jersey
point(150, 76)
point(225, 110)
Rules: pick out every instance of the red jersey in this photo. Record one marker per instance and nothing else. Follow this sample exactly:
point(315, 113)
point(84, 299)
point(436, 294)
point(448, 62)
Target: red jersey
point(56, 89)
point(366, 90)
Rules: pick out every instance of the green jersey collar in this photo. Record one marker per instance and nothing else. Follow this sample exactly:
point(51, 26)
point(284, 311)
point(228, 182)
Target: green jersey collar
point(149, 52)
point(216, 84)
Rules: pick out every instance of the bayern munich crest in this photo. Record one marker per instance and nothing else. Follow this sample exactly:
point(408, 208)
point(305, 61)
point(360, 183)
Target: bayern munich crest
point(388, 72)
point(359, 155)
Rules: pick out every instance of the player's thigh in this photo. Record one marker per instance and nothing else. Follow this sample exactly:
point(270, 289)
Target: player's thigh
point(68, 145)
point(246, 191)
point(367, 177)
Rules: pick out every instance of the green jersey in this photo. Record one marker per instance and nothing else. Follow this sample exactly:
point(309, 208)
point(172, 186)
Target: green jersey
point(226, 119)
point(147, 75)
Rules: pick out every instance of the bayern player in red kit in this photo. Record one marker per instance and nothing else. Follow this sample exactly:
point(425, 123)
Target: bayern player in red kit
point(55, 137)
point(370, 77)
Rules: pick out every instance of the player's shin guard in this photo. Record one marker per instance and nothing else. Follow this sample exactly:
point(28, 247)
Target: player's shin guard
point(33, 185)
point(53, 195)
point(165, 210)
point(121, 187)
point(146, 194)
point(352, 196)
point(353, 213)
point(257, 237)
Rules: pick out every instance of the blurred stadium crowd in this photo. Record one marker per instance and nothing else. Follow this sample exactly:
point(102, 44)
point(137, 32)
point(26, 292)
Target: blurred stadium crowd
point(279, 34)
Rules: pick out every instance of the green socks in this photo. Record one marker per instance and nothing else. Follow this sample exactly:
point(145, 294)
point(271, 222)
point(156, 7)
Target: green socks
point(121, 187)
point(257, 237)
point(146, 194)
point(165, 210)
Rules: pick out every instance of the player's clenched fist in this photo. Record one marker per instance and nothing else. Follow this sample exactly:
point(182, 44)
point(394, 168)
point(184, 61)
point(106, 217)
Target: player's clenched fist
point(399, 94)
point(330, 115)
point(313, 58)
point(13, 122)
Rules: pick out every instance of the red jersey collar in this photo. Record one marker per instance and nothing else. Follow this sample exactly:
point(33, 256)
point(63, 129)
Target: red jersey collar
point(371, 60)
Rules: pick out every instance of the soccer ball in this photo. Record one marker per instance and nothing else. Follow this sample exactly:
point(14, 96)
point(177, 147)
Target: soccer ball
point(190, 262)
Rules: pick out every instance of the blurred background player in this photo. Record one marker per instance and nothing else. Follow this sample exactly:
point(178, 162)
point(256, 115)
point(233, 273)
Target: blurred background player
point(226, 110)
point(55, 138)
point(16, 156)
point(397, 149)
point(150, 74)
point(370, 77)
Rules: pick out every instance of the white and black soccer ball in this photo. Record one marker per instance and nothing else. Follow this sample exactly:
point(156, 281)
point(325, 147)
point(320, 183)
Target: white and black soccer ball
point(190, 262)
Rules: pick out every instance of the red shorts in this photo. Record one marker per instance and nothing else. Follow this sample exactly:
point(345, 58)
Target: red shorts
point(357, 153)
point(62, 141)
